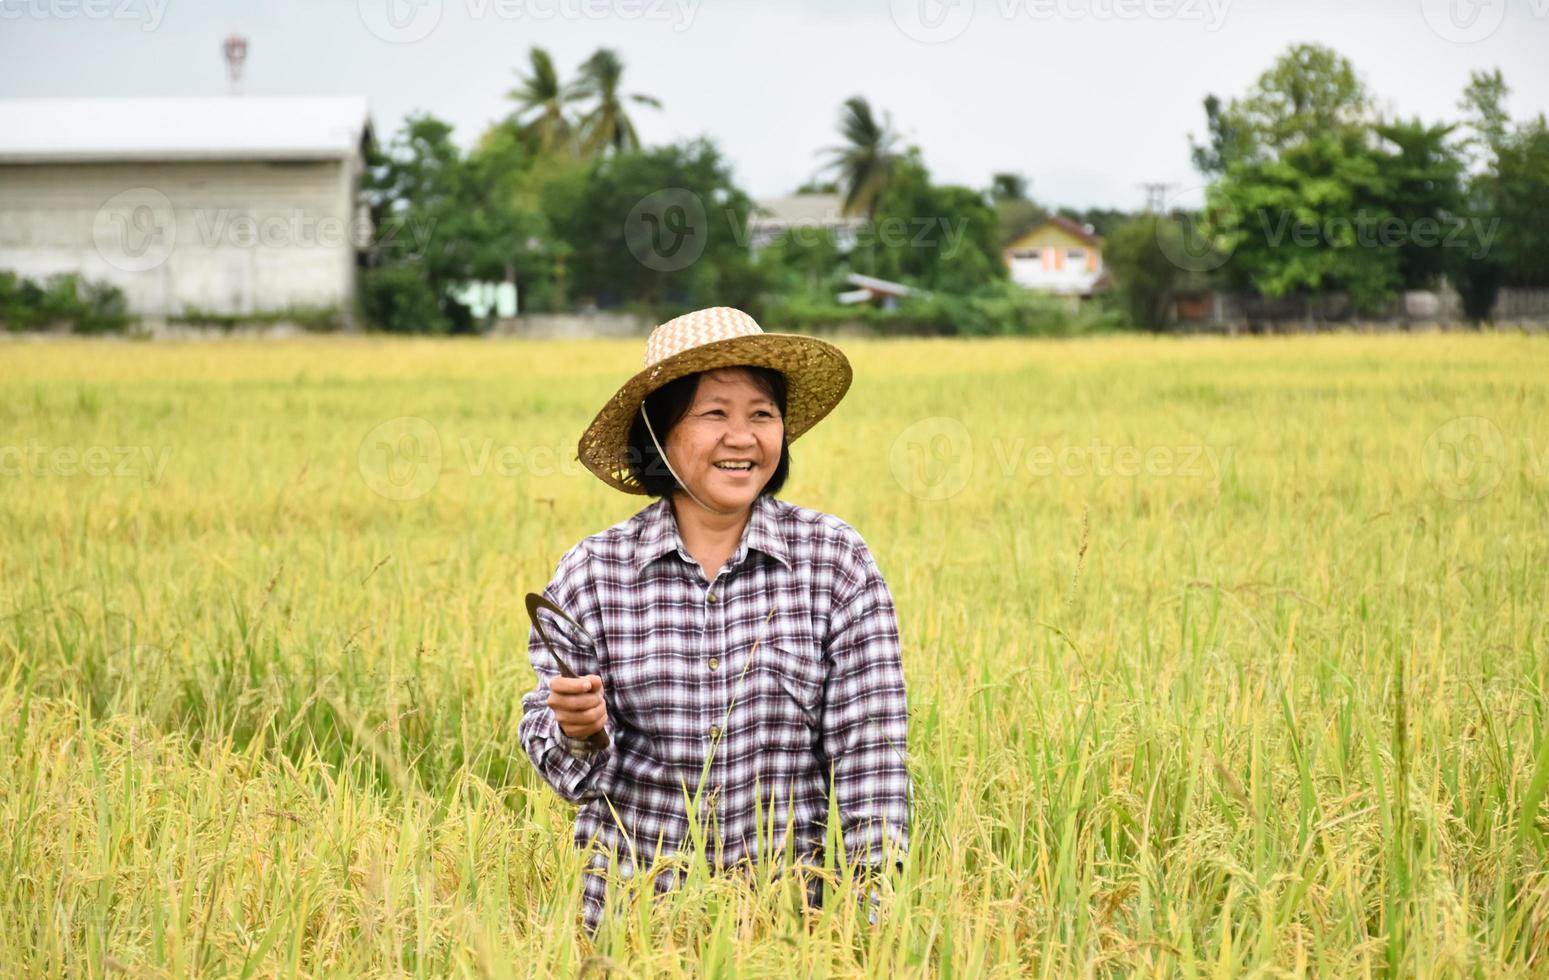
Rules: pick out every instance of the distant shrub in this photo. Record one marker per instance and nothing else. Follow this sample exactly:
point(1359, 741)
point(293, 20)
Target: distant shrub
point(998, 309)
point(63, 300)
point(398, 299)
point(319, 319)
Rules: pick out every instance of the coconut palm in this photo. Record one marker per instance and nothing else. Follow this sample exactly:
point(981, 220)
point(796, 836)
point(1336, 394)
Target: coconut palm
point(540, 103)
point(607, 126)
point(865, 163)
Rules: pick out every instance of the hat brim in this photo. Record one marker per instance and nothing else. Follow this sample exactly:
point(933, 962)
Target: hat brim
point(817, 375)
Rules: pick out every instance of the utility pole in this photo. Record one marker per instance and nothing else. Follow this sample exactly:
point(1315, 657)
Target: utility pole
point(1156, 195)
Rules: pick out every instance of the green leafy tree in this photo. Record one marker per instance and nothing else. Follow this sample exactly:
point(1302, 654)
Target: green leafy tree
point(1313, 192)
point(665, 228)
point(1310, 92)
point(1307, 221)
point(938, 237)
point(1484, 103)
point(1139, 256)
point(1521, 191)
point(1423, 174)
point(1008, 187)
point(1507, 240)
point(1013, 218)
point(1227, 138)
point(1015, 210)
point(805, 263)
point(443, 218)
point(509, 237)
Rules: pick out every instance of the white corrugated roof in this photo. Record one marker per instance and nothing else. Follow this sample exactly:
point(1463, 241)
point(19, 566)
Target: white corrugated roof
point(805, 209)
point(234, 127)
point(880, 285)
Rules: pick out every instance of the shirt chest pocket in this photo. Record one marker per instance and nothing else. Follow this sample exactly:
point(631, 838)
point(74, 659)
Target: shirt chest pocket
point(790, 677)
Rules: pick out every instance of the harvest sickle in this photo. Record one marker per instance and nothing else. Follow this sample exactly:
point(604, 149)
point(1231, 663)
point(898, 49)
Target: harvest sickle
point(535, 602)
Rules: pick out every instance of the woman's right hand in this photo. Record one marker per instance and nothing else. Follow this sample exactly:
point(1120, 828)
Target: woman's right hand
point(578, 705)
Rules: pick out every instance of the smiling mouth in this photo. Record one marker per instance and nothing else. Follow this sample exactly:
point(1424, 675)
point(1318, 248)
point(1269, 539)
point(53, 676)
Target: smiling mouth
point(746, 468)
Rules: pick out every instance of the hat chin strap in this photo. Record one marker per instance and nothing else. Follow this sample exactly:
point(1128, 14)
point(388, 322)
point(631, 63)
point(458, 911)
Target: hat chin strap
point(663, 453)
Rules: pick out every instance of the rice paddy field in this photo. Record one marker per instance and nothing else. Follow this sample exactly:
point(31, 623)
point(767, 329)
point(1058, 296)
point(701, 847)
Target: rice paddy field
point(1225, 658)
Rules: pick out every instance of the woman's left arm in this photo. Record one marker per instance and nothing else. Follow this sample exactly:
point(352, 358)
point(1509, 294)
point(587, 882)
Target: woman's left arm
point(865, 719)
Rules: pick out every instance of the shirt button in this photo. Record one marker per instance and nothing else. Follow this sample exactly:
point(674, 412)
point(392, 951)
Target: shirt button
point(710, 597)
point(715, 731)
point(715, 662)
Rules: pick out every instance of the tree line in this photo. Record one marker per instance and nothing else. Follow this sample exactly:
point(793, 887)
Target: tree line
point(1312, 190)
point(1309, 189)
point(544, 200)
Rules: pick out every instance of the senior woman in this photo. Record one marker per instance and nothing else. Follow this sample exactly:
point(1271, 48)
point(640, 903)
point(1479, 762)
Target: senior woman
point(739, 650)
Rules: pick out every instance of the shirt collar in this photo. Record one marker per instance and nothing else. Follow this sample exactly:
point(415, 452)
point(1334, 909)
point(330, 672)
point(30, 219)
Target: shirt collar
point(659, 535)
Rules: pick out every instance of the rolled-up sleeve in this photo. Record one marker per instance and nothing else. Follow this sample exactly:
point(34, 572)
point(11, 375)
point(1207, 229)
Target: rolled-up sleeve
point(865, 719)
point(576, 771)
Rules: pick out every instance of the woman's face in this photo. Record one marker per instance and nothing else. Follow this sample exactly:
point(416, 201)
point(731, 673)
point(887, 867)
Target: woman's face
point(730, 420)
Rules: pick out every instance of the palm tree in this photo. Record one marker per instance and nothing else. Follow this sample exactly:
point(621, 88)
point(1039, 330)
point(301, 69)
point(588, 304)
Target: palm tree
point(607, 125)
point(865, 163)
point(540, 103)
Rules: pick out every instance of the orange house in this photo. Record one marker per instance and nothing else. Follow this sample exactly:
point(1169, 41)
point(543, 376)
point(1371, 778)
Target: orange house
point(1057, 256)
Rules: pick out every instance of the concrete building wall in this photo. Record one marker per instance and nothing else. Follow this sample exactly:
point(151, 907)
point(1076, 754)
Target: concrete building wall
point(229, 237)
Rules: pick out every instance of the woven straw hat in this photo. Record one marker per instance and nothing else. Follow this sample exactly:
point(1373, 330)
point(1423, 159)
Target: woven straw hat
point(817, 375)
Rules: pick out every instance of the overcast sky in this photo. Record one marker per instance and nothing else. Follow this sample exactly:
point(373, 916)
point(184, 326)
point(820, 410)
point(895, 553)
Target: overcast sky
point(1087, 98)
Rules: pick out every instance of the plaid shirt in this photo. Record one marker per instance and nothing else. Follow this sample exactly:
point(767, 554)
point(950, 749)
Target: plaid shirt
point(825, 688)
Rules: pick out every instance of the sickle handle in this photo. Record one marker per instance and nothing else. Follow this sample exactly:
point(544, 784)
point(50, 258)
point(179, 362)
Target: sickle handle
point(536, 601)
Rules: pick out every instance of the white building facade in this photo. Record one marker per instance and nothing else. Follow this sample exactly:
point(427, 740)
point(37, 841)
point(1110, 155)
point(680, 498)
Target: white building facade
point(229, 206)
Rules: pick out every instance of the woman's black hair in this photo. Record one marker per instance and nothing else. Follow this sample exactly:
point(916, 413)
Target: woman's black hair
point(668, 404)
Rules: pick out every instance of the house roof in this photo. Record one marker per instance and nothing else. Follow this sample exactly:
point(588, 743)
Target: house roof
point(822, 210)
point(235, 127)
point(876, 285)
point(1064, 223)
